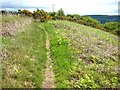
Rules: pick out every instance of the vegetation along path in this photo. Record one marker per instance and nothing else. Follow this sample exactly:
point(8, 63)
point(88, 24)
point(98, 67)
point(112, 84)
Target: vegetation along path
point(49, 75)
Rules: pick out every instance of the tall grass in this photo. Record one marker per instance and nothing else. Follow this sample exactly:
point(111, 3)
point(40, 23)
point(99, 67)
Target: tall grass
point(24, 58)
point(11, 18)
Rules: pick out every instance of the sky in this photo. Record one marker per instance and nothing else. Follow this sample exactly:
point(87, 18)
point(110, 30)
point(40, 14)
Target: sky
point(81, 7)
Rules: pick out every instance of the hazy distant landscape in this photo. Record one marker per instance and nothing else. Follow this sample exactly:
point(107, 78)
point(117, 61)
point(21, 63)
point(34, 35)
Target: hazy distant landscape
point(106, 18)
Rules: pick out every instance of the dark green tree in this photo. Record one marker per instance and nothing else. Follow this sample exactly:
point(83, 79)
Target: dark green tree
point(53, 14)
point(60, 12)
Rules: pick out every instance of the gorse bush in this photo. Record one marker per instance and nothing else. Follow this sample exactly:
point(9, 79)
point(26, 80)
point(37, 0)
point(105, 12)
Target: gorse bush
point(41, 15)
point(25, 12)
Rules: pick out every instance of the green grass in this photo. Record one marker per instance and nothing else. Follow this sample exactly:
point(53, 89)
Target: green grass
point(61, 56)
point(24, 58)
point(83, 57)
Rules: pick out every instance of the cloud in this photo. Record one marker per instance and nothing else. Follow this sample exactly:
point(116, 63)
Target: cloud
point(10, 4)
point(69, 6)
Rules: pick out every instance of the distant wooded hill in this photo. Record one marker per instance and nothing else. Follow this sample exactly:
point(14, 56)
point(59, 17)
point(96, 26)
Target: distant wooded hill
point(106, 18)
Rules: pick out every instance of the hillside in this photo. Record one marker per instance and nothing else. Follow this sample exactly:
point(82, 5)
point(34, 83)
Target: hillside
point(106, 18)
point(83, 57)
point(78, 56)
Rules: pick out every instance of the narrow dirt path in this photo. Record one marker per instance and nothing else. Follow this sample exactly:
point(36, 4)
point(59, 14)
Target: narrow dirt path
point(49, 75)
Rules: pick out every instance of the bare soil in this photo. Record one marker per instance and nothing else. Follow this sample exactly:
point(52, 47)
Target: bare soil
point(49, 75)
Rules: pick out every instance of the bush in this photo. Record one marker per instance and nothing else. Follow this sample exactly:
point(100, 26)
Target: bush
point(25, 12)
point(112, 27)
point(41, 15)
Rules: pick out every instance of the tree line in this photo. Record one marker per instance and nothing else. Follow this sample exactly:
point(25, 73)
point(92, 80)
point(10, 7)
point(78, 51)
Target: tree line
point(42, 16)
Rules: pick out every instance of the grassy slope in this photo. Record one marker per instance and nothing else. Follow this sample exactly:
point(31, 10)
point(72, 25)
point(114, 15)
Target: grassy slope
point(83, 57)
point(24, 58)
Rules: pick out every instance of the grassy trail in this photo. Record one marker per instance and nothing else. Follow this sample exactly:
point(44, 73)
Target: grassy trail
point(60, 54)
point(49, 75)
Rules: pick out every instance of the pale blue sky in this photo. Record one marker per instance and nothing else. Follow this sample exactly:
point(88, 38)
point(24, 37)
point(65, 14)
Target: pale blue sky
point(82, 7)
